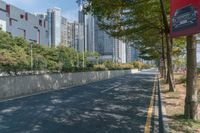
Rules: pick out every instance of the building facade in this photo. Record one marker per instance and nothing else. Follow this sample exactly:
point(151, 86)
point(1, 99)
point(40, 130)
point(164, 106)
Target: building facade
point(19, 23)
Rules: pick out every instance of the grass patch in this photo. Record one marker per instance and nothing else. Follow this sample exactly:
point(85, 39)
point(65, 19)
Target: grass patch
point(180, 124)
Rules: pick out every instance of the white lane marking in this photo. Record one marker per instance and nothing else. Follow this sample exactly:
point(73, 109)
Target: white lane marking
point(115, 86)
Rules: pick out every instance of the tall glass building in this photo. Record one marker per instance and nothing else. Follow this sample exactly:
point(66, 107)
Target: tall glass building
point(54, 20)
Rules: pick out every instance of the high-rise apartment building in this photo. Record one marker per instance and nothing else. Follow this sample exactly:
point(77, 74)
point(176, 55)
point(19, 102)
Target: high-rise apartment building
point(97, 40)
point(90, 33)
point(54, 21)
point(104, 42)
point(66, 33)
point(131, 53)
point(75, 35)
point(82, 31)
point(123, 52)
point(81, 37)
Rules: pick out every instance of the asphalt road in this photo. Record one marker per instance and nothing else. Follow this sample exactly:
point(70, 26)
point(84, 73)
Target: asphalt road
point(117, 105)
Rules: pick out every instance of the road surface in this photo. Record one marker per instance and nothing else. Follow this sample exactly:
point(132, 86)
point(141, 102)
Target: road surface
point(117, 105)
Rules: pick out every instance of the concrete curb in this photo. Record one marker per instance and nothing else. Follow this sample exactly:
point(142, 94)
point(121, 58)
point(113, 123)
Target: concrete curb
point(162, 110)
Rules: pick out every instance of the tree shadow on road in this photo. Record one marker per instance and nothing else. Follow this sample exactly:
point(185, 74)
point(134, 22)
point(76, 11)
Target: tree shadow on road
point(83, 109)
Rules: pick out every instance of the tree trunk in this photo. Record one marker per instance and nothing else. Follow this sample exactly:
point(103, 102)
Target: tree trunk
point(191, 100)
point(169, 48)
point(164, 75)
point(169, 64)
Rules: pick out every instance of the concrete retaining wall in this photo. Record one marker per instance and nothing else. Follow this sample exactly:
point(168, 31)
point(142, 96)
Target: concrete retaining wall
point(16, 86)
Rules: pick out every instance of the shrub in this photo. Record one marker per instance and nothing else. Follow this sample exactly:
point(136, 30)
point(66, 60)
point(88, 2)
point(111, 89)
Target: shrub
point(99, 67)
point(137, 64)
point(140, 65)
point(109, 65)
point(126, 66)
point(146, 66)
point(39, 62)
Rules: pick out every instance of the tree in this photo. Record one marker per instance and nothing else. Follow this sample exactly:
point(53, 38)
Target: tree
point(65, 58)
point(191, 100)
point(96, 55)
point(169, 45)
point(13, 57)
point(39, 62)
point(135, 21)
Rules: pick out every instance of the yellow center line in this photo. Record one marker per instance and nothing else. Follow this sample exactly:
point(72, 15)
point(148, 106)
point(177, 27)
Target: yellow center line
point(150, 110)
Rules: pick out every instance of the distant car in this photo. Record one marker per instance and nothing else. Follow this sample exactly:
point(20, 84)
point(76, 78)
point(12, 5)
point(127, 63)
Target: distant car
point(184, 18)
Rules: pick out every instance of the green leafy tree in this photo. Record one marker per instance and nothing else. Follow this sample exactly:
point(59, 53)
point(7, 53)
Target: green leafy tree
point(139, 22)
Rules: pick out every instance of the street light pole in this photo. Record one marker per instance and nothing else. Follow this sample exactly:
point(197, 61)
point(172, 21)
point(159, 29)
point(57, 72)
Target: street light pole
point(83, 59)
point(77, 64)
point(31, 57)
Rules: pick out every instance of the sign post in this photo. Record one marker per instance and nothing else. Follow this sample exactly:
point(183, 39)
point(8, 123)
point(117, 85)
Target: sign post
point(185, 21)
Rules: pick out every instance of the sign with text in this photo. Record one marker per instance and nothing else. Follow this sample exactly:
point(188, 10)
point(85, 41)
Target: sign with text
point(185, 19)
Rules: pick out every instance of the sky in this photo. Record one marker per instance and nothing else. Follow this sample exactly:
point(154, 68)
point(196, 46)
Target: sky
point(69, 7)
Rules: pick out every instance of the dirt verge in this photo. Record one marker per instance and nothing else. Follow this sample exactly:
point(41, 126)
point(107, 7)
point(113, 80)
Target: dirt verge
point(174, 104)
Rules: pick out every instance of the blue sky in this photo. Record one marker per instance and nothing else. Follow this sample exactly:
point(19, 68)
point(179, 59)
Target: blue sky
point(69, 7)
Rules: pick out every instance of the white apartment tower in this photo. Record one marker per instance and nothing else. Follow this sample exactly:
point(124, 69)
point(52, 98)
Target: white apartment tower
point(66, 32)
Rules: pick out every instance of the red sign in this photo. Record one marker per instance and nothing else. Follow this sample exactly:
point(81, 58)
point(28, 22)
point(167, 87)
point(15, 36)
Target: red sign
point(185, 17)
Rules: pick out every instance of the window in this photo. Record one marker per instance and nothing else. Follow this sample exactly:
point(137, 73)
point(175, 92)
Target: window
point(10, 22)
point(47, 34)
point(40, 22)
point(44, 24)
point(21, 16)
point(26, 16)
point(8, 9)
